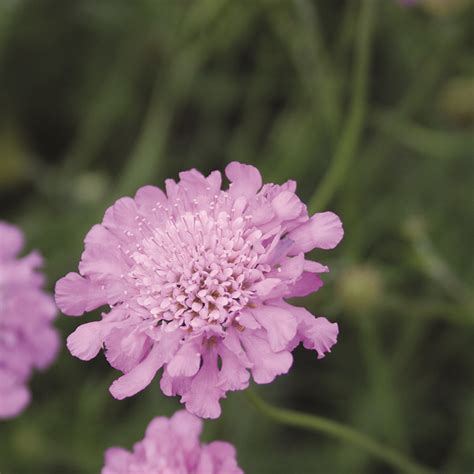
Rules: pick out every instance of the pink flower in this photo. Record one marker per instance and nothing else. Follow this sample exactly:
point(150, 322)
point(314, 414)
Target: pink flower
point(196, 280)
point(171, 446)
point(27, 338)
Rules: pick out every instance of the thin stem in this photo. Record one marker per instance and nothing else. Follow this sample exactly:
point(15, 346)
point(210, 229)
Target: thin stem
point(349, 140)
point(112, 101)
point(435, 266)
point(429, 142)
point(338, 431)
point(147, 156)
point(322, 77)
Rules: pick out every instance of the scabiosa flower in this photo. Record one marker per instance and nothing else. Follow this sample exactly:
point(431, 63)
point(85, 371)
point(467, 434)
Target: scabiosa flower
point(27, 338)
point(196, 280)
point(171, 446)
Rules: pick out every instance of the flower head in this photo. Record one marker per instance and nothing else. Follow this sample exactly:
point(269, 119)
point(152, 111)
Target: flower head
point(196, 280)
point(171, 446)
point(27, 338)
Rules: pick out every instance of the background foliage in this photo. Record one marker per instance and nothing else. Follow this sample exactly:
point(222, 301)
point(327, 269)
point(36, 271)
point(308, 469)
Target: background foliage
point(368, 104)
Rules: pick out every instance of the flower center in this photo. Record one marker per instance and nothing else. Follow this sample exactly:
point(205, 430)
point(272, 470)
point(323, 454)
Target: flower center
point(198, 269)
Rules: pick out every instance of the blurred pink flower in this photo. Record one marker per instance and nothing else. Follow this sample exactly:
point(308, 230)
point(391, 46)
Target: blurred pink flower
point(27, 337)
point(196, 281)
point(171, 446)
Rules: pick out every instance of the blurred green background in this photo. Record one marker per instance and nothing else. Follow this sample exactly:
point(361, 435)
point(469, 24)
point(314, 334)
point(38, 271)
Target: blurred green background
point(368, 104)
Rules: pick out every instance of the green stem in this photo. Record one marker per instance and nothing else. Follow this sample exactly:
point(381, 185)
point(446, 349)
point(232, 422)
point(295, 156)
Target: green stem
point(148, 155)
point(338, 431)
point(112, 101)
point(349, 140)
point(322, 80)
point(429, 142)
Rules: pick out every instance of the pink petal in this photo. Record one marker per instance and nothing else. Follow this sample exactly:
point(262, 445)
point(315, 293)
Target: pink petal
point(315, 267)
point(102, 260)
point(291, 268)
point(14, 401)
point(86, 341)
point(316, 333)
point(206, 463)
point(280, 251)
point(174, 385)
point(246, 320)
point(233, 343)
point(11, 240)
point(279, 323)
point(98, 235)
point(197, 188)
point(185, 363)
point(172, 189)
point(14, 397)
point(187, 426)
point(215, 181)
point(266, 287)
point(142, 374)
point(267, 363)
point(121, 215)
point(116, 461)
point(308, 283)
point(125, 348)
point(74, 295)
point(262, 214)
point(158, 427)
point(193, 179)
point(148, 197)
point(289, 185)
point(223, 459)
point(202, 399)
point(46, 345)
point(287, 205)
point(324, 230)
point(233, 374)
point(246, 179)
point(320, 335)
point(17, 359)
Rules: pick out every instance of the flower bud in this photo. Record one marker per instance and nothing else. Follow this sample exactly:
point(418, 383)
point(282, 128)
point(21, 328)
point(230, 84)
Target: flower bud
point(361, 288)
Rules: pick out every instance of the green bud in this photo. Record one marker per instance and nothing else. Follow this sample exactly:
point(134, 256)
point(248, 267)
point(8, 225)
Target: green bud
point(361, 288)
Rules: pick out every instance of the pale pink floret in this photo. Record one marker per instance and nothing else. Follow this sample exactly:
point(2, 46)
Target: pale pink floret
point(27, 337)
point(171, 446)
point(196, 280)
